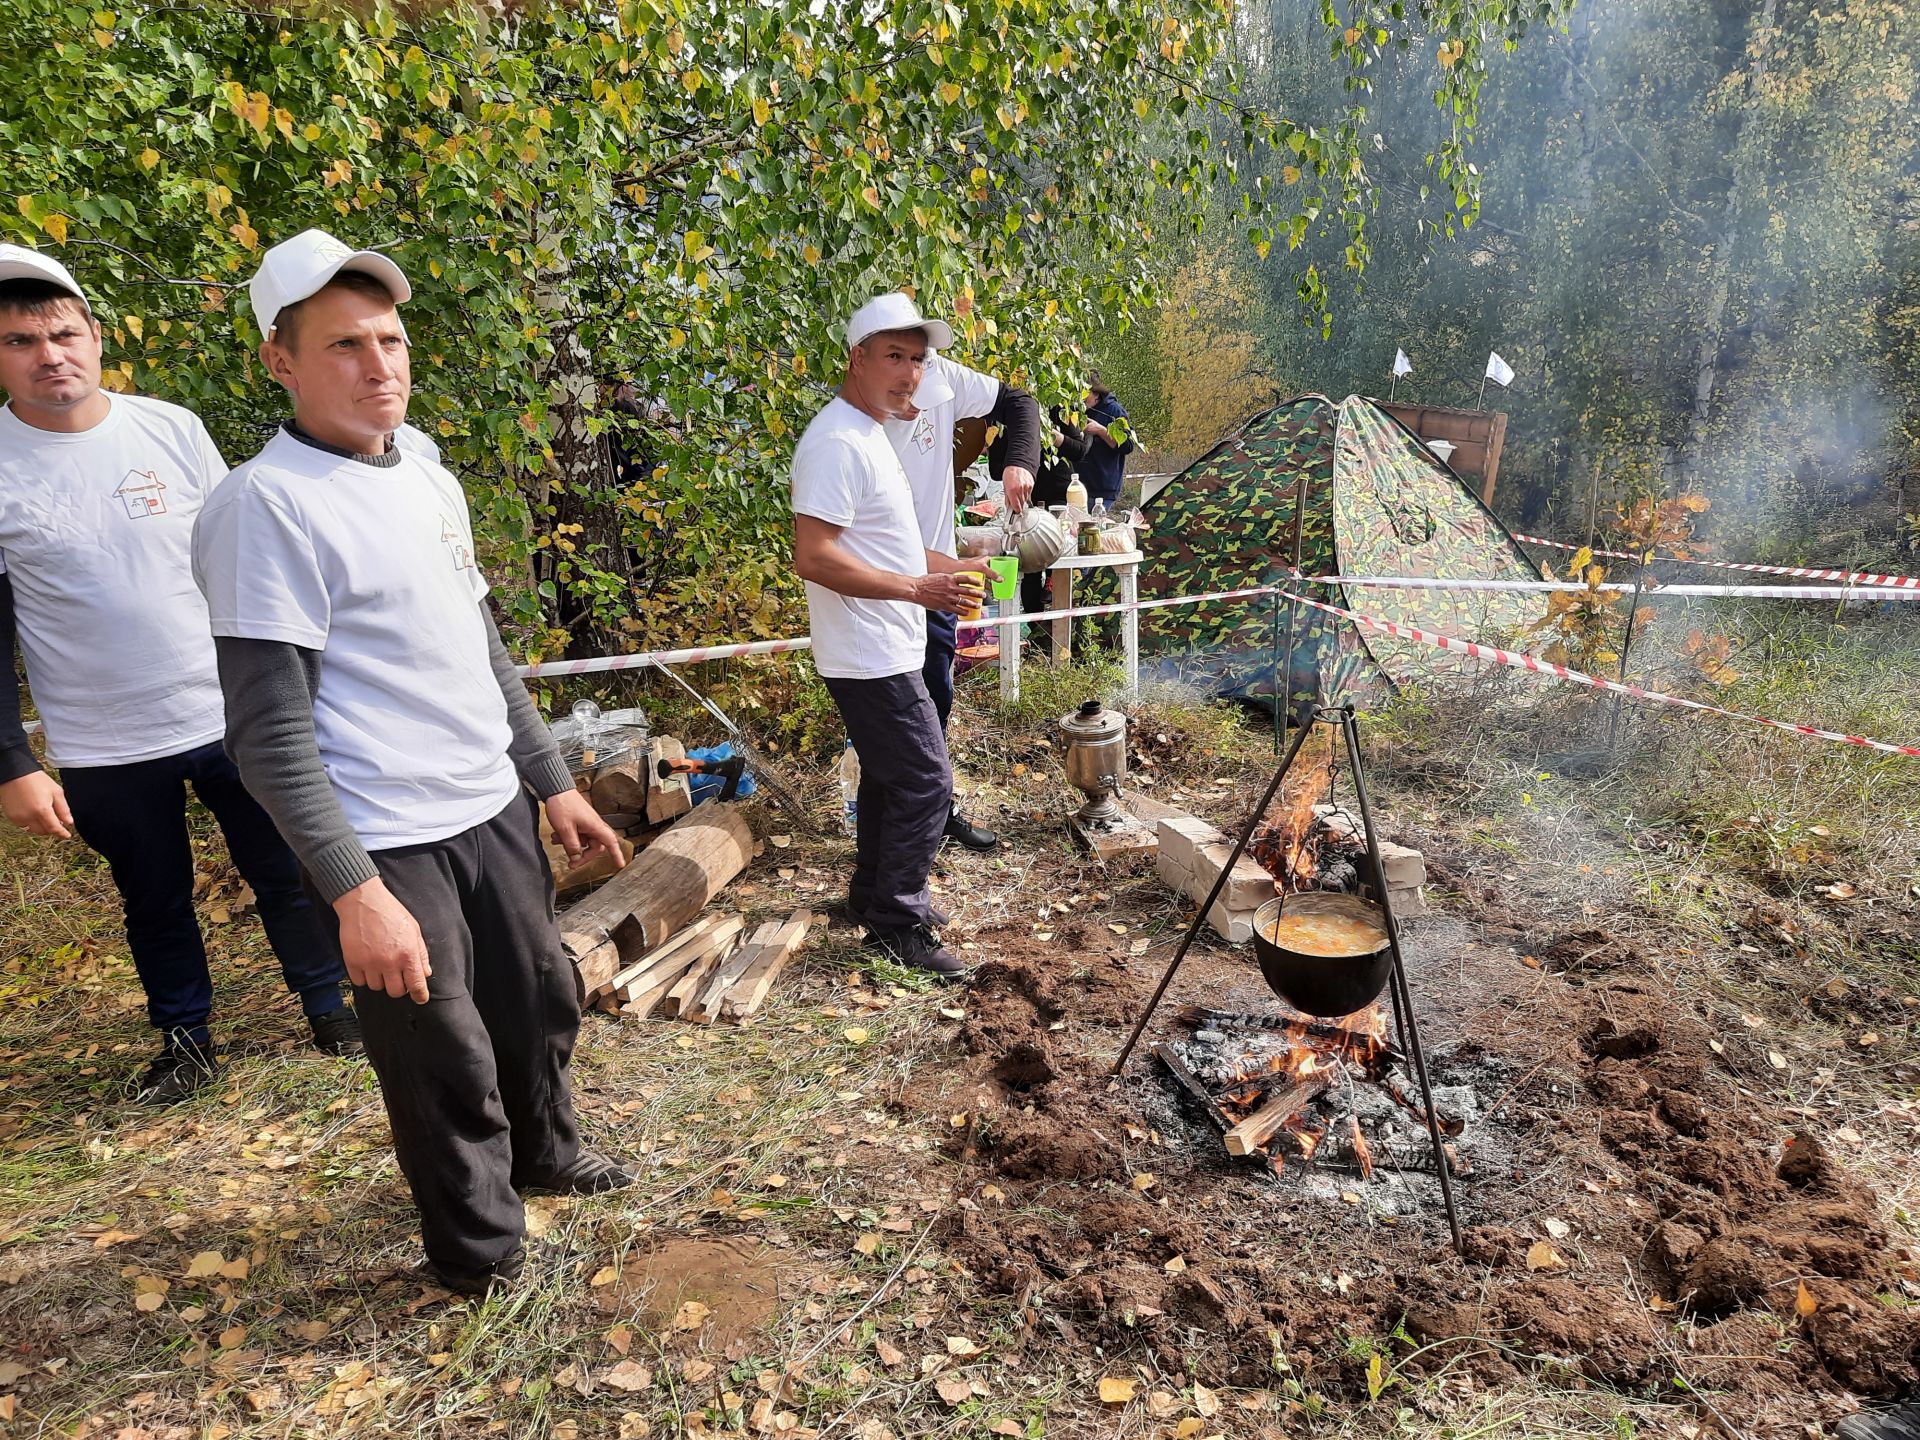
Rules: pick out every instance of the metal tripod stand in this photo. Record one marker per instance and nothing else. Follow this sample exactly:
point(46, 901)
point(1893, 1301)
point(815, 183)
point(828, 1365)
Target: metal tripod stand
point(1405, 1021)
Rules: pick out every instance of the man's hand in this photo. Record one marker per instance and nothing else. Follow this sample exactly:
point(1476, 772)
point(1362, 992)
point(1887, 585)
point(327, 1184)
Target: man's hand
point(36, 804)
point(580, 830)
point(381, 942)
point(1016, 483)
point(942, 590)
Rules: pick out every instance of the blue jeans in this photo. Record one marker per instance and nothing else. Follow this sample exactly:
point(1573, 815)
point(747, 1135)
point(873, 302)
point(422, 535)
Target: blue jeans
point(135, 816)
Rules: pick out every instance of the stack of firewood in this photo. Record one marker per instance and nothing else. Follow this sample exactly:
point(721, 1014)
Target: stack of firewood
point(634, 800)
point(705, 972)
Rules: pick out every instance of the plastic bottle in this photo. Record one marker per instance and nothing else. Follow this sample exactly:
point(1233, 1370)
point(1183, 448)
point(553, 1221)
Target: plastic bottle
point(1096, 526)
point(850, 789)
point(1077, 495)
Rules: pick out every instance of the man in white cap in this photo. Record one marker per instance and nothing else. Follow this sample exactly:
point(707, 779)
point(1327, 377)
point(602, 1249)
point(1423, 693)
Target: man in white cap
point(922, 436)
point(375, 713)
point(98, 494)
point(871, 579)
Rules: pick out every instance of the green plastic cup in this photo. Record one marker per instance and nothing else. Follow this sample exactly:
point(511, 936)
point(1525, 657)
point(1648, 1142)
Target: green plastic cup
point(1006, 575)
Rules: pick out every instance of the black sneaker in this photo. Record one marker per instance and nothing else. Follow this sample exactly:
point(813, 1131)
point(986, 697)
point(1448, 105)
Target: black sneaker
point(176, 1072)
point(919, 948)
point(477, 1282)
point(591, 1174)
point(1902, 1422)
point(970, 836)
point(337, 1032)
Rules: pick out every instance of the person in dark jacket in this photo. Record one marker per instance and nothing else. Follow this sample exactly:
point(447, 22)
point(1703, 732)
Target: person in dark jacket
point(1109, 433)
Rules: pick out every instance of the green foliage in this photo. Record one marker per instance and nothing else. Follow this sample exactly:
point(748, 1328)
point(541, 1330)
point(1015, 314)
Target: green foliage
point(691, 197)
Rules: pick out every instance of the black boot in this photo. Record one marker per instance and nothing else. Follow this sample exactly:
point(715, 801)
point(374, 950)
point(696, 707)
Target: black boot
point(917, 947)
point(183, 1067)
point(478, 1283)
point(970, 836)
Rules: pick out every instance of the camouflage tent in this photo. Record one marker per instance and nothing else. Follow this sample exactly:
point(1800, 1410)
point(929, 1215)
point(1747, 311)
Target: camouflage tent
point(1377, 502)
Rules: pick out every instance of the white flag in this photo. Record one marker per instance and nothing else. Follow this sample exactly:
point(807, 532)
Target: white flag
point(1498, 370)
point(1401, 365)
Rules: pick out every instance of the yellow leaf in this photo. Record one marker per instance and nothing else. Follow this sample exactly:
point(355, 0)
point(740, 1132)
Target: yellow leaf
point(871, 196)
point(1542, 1256)
point(949, 92)
point(149, 158)
point(811, 254)
point(1144, 1182)
point(676, 337)
point(605, 1275)
point(1142, 106)
point(1116, 1390)
point(961, 1345)
point(232, 1337)
point(56, 226)
point(218, 198)
point(1188, 1428)
point(1804, 1305)
point(762, 111)
point(690, 1316)
point(149, 1301)
point(237, 1268)
point(207, 1262)
point(856, 1035)
point(136, 327)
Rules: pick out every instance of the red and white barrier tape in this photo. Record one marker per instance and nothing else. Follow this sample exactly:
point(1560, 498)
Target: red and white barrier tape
point(1858, 577)
point(1041, 617)
point(662, 657)
point(1521, 661)
point(1650, 588)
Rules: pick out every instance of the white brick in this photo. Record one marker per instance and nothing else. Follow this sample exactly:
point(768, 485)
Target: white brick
point(1182, 836)
point(1405, 868)
point(1174, 873)
point(1247, 886)
point(1409, 903)
point(1233, 926)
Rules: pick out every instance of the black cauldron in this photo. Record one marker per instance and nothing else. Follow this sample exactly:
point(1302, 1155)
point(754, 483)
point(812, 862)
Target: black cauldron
point(1323, 986)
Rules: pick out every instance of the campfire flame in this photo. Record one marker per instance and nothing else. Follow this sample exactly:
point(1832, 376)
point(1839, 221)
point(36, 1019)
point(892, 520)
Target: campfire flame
point(1314, 1049)
point(1283, 843)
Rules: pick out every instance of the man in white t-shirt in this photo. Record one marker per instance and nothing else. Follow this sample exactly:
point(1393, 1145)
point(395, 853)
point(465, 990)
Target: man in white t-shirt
point(922, 436)
point(871, 579)
point(98, 495)
point(374, 711)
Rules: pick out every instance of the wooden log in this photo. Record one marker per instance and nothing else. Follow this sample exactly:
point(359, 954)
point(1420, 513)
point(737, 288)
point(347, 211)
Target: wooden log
point(677, 1000)
point(1257, 1129)
point(585, 877)
point(1195, 1090)
point(751, 989)
point(661, 891)
point(673, 797)
point(621, 789)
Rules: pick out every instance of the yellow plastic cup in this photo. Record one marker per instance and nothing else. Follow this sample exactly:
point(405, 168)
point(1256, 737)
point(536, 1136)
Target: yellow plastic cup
point(975, 585)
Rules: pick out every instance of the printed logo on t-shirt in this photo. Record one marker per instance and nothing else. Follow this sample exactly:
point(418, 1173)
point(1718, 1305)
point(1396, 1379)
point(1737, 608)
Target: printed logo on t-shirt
point(923, 433)
point(456, 543)
point(144, 493)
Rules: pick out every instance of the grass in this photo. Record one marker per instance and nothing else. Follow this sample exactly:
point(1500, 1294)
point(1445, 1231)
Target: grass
point(788, 1133)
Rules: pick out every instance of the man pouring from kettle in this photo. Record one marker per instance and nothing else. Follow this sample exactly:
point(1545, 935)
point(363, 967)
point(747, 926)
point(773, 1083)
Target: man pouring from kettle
point(922, 437)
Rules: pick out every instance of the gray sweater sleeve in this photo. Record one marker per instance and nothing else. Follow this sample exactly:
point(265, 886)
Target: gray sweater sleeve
point(536, 759)
point(269, 687)
point(16, 754)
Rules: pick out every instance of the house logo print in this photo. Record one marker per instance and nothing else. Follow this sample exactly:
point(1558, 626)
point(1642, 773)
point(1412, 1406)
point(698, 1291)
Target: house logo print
point(143, 493)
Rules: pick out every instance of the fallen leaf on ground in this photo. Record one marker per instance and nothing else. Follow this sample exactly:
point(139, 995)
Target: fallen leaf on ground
point(605, 1275)
point(690, 1316)
point(780, 842)
point(953, 1389)
point(961, 1345)
point(1205, 1401)
point(232, 1337)
point(1804, 1305)
point(856, 1035)
point(1143, 1182)
point(889, 1353)
point(1116, 1390)
point(1558, 1229)
point(629, 1375)
point(1542, 1256)
point(207, 1262)
point(1011, 1428)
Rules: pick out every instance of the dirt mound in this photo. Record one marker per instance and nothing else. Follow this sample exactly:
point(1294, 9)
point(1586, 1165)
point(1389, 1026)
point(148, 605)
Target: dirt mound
point(1765, 1246)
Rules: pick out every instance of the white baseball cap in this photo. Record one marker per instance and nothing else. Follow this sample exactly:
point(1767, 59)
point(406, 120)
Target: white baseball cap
point(896, 311)
point(934, 389)
point(297, 268)
point(17, 262)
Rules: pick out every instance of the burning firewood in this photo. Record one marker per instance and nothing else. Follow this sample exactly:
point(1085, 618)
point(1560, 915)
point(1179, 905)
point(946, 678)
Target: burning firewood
point(1258, 1129)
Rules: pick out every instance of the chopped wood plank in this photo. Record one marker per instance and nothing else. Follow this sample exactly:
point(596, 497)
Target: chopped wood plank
point(688, 947)
point(751, 989)
point(771, 937)
point(676, 1001)
point(707, 1000)
point(1257, 1129)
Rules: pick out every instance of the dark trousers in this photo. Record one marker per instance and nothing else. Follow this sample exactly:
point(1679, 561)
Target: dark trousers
point(906, 795)
point(135, 816)
point(475, 1080)
point(943, 638)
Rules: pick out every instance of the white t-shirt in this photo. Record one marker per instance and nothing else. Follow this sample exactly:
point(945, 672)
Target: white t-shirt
point(373, 567)
point(925, 447)
point(845, 473)
point(96, 531)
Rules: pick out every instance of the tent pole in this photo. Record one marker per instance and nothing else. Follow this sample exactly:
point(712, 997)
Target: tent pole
point(1283, 677)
